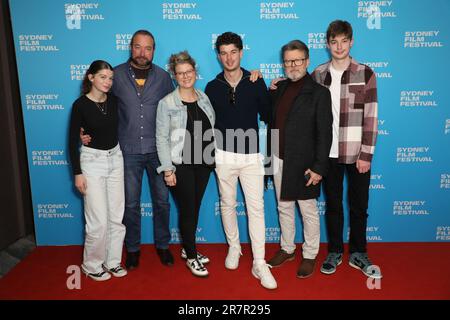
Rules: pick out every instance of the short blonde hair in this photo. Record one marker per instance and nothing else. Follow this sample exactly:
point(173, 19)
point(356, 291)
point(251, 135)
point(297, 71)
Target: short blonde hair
point(179, 58)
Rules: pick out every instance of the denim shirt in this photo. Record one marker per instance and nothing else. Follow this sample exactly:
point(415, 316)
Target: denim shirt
point(137, 111)
point(171, 120)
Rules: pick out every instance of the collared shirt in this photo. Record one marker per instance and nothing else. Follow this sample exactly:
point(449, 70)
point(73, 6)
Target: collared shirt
point(137, 109)
point(358, 110)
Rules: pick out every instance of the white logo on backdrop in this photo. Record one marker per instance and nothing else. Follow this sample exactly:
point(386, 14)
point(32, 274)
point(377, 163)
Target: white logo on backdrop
point(413, 154)
point(416, 98)
point(277, 11)
point(180, 11)
point(410, 208)
point(54, 211)
point(39, 102)
point(422, 39)
point(49, 158)
point(36, 43)
point(317, 40)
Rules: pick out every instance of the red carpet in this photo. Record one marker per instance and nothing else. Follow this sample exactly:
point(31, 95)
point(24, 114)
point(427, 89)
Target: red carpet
point(410, 270)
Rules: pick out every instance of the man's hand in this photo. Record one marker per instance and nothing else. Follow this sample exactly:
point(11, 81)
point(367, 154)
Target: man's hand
point(255, 75)
point(170, 178)
point(80, 183)
point(362, 166)
point(85, 138)
point(314, 178)
point(273, 83)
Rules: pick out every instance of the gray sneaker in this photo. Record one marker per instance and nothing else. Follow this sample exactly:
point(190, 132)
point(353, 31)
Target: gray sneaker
point(331, 262)
point(361, 261)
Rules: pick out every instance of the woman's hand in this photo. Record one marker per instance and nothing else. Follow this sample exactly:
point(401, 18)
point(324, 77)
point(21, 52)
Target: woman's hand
point(170, 178)
point(80, 183)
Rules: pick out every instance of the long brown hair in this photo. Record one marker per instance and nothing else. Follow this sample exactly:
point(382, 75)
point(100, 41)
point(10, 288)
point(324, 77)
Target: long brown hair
point(95, 67)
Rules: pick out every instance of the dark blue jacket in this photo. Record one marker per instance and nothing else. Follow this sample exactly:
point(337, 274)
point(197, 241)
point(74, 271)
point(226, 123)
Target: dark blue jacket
point(250, 99)
point(137, 112)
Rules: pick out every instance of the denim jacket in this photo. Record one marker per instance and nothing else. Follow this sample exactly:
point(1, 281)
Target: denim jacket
point(171, 120)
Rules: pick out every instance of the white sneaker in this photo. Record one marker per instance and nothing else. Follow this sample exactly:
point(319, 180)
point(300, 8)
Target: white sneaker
point(117, 272)
point(200, 257)
point(262, 272)
point(101, 276)
point(232, 259)
point(197, 268)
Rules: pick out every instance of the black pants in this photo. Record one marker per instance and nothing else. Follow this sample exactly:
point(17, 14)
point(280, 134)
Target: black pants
point(358, 197)
point(188, 193)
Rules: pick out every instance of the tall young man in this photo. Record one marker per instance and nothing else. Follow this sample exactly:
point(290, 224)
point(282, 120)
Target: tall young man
point(354, 106)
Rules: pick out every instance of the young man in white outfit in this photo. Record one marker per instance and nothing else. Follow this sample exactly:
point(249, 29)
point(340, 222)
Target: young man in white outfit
point(237, 101)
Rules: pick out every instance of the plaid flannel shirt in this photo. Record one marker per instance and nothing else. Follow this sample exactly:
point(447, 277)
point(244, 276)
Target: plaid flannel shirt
point(358, 122)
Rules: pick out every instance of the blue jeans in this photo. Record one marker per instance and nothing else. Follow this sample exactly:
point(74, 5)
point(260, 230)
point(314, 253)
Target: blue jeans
point(135, 164)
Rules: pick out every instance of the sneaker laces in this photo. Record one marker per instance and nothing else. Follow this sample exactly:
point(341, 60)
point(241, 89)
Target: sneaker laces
point(116, 269)
point(264, 270)
point(332, 258)
point(197, 265)
point(235, 252)
point(364, 258)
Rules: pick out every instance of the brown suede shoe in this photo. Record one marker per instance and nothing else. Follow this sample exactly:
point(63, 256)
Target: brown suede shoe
point(306, 268)
point(281, 257)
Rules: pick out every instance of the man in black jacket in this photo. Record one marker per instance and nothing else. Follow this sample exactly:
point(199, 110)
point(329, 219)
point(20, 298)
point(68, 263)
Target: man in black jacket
point(301, 112)
point(237, 101)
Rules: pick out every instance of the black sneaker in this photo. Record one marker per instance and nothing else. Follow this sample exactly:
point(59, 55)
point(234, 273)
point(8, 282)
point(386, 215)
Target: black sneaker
point(360, 260)
point(197, 268)
point(331, 262)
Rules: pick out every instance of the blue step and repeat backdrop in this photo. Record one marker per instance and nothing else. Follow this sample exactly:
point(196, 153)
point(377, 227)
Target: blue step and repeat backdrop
point(405, 42)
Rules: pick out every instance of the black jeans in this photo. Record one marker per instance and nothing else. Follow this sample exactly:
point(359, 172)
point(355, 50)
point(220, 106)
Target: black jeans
point(358, 197)
point(188, 193)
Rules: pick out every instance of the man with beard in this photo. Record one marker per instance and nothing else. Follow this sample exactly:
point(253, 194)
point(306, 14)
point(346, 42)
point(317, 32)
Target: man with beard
point(301, 112)
point(139, 84)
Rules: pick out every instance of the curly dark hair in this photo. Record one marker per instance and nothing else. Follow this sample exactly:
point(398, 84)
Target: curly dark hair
point(229, 38)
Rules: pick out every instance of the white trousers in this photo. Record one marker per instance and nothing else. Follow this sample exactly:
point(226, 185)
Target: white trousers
point(250, 171)
point(310, 217)
point(104, 204)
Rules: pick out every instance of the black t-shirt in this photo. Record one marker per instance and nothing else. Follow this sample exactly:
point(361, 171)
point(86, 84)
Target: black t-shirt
point(193, 143)
point(101, 125)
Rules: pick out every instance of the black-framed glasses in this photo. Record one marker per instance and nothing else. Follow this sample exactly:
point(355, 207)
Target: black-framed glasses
point(188, 73)
point(232, 95)
point(294, 62)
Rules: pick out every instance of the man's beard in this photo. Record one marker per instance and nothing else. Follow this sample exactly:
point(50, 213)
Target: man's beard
point(144, 65)
point(295, 75)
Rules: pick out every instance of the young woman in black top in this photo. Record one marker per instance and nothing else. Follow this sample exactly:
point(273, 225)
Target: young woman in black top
point(98, 172)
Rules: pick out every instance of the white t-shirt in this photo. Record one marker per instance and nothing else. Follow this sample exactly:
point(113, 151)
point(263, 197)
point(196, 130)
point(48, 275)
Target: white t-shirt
point(335, 90)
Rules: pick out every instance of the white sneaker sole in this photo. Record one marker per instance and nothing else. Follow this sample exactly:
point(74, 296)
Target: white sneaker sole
point(107, 277)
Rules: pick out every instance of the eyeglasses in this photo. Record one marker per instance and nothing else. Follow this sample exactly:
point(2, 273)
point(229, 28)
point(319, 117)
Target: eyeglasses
point(232, 96)
point(188, 73)
point(294, 63)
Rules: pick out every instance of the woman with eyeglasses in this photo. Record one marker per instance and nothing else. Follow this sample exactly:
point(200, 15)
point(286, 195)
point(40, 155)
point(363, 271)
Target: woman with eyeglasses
point(184, 140)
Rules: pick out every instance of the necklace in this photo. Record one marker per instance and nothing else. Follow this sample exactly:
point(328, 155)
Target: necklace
point(102, 106)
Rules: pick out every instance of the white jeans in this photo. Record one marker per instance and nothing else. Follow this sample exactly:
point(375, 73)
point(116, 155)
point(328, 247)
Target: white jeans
point(310, 217)
point(103, 207)
point(250, 171)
